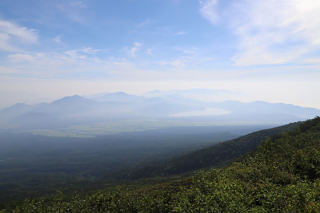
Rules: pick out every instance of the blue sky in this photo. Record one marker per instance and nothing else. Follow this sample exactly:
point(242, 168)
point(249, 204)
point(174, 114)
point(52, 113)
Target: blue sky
point(264, 50)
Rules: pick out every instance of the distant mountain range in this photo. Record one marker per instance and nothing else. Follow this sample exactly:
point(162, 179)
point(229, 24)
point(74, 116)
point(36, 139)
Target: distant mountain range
point(106, 113)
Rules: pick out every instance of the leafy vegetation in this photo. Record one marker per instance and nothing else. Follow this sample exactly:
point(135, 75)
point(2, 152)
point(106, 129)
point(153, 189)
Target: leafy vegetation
point(281, 175)
point(214, 156)
point(32, 165)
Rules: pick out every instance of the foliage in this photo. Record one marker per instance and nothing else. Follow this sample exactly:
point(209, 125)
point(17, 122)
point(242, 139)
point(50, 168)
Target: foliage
point(213, 156)
point(33, 165)
point(281, 175)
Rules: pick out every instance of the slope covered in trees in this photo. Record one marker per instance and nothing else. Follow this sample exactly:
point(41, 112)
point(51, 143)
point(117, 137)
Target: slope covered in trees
point(214, 156)
point(281, 175)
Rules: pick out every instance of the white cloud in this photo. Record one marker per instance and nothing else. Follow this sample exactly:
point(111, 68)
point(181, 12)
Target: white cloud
point(180, 33)
point(13, 35)
point(21, 57)
point(187, 51)
point(73, 10)
point(78, 4)
point(178, 64)
point(67, 63)
point(144, 23)
point(208, 10)
point(312, 61)
point(55, 63)
point(81, 53)
point(134, 50)
point(75, 54)
point(149, 51)
point(89, 50)
point(270, 32)
point(57, 39)
point(277, 32)
point(7, 70)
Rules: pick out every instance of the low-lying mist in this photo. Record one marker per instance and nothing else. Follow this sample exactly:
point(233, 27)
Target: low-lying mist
point(112, 113)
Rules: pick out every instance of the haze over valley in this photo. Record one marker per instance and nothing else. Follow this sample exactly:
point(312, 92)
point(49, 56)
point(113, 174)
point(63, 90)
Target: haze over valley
point(118, 112)
point(159, 106)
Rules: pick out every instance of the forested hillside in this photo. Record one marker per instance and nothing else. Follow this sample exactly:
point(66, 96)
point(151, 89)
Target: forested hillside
point(214, 156)
point(33, 165)
point(281, 175)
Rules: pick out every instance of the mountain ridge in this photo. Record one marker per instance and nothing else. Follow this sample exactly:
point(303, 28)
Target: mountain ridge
point(217, 155)
point(77, 114)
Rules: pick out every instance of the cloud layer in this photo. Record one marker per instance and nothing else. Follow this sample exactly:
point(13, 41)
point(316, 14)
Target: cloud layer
point(204, 43)
point(13, 35)
point(270, 32)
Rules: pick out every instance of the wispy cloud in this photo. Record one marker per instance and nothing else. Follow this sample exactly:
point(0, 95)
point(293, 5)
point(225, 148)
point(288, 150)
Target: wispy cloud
point(270, 32)
point(149, 51)
point(21, 57)
point(55, 63)
point(89, 50)
point(312, 60)
point(57, 39)
point(134, 49)
point(180, 33)
point(7, 70)
point(144, 23)
point(277, 32)
point(72, 10)
point(208, 9)
point(12, 35)
point(81, 53)
point(78, 4)
point(186, 51)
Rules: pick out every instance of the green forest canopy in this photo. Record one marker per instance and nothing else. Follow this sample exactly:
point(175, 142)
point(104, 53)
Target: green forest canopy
point(281, 175)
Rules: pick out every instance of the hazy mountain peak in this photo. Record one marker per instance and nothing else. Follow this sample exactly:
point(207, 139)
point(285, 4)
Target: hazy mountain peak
point(74, 98)
point(20, 105)
point(196, 94)
point(118, 93)
point(115, 97)
point(17, 107)
point(169, 108)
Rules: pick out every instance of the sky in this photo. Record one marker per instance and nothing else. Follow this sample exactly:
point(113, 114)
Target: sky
point(261, 50)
